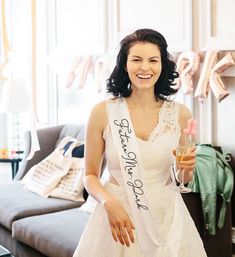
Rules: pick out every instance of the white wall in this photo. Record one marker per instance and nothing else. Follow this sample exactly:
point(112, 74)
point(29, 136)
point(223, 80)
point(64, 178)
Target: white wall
point(224, 118)
point(219, 126)
point(3, 132)
point(3, 135)
point(56, 57)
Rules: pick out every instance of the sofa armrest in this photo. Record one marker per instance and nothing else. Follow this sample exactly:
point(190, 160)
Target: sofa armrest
point(47, 138)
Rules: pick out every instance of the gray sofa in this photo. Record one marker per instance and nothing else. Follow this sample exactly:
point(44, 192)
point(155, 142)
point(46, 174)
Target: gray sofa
point(32, 226)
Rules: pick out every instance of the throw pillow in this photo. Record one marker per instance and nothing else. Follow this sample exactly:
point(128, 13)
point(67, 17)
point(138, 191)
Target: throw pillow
point(71, 186)
point(43, 177)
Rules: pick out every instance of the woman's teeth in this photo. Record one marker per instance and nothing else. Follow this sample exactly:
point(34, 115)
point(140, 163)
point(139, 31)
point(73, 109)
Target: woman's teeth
point(144, 76)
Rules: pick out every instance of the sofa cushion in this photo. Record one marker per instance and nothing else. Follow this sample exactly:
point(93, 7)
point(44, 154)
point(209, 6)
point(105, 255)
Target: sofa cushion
point(55, 234)
point(15, 247)
point(17, 203)
point(73, 130)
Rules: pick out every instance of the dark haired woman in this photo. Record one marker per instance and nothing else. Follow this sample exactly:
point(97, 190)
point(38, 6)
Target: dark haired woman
point(138, 213)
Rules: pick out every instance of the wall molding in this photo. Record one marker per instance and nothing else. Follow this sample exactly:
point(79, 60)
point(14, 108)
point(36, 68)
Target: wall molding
point(208, 26)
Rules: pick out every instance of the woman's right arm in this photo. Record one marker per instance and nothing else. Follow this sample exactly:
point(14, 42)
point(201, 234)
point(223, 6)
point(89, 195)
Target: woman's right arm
point(120, 223)
point(94, 151)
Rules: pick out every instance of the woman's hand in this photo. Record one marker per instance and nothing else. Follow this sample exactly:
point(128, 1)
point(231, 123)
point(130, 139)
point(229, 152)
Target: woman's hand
point(120, 223)
point(187, 163)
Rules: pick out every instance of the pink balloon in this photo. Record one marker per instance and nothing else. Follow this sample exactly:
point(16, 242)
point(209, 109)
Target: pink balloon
point(191, 128)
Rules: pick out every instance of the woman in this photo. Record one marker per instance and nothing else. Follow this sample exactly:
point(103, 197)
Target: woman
point(138, 213)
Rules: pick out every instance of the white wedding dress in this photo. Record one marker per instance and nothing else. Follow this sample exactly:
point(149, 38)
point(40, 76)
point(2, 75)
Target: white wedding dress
point(172, 218)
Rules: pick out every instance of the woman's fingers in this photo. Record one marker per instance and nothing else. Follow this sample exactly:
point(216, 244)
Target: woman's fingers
point(125, 236)
point(114, 233)
point(188, 162)
point(193, 150)
point(119, 234)
point(129, 228)
point(123, 233)
point(187, 165)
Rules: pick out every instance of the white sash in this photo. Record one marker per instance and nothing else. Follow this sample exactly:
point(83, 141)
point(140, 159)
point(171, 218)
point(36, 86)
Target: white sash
point(126, 146)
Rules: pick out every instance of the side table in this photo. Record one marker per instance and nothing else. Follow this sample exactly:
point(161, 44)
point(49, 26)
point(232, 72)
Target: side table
point(14, 164)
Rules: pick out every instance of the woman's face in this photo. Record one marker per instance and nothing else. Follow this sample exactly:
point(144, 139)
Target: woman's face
point(144, 65)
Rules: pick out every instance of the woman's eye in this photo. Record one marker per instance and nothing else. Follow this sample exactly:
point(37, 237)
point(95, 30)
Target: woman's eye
point(153, 61)
point(136, 60)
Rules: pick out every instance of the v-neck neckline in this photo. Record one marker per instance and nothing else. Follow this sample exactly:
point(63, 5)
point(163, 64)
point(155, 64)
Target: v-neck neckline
point(156, 127)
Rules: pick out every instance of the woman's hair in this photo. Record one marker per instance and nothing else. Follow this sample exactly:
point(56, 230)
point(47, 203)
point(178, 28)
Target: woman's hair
point(118, 84)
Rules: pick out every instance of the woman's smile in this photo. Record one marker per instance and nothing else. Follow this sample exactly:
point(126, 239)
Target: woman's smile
point(144, 76)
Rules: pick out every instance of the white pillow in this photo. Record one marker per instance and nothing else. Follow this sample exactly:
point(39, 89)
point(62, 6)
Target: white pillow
point(71, 186)
point(43, 177)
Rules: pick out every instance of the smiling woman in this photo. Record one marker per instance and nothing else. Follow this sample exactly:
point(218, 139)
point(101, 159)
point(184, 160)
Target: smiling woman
point(136, 131)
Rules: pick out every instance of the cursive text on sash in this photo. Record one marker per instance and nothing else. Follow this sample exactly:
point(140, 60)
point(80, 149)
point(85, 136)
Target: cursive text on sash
point(130, 161)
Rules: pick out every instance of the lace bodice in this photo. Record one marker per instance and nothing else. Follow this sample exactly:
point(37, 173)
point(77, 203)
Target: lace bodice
point(155, 152)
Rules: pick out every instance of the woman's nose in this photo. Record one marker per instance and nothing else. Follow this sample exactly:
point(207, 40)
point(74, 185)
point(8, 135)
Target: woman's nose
point(144, 66)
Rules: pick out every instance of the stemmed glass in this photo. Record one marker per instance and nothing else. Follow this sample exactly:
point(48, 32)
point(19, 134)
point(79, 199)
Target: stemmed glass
point(183, 153)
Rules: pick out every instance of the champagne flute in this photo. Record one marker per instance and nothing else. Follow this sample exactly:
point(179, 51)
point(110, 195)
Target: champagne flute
point(182, 154)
